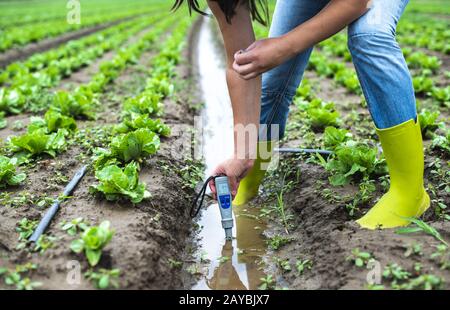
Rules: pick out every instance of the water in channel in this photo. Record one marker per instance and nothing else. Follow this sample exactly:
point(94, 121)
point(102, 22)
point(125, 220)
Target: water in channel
point(232, 264)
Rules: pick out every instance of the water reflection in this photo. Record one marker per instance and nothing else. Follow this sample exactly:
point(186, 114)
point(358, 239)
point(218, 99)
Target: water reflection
point(233, 264)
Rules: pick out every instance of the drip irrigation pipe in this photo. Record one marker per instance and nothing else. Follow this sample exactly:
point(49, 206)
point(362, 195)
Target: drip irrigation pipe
point(297, 150)
point(45, 221)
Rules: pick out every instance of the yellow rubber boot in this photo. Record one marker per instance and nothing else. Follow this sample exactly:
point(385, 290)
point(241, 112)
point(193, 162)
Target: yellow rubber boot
point(403, 150)
point(248, 187)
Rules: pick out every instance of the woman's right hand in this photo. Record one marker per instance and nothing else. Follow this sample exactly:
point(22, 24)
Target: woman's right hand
point(235, 170)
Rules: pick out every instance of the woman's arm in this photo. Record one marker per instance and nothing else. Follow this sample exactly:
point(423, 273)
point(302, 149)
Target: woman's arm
point(264, 55)
point(244, 95)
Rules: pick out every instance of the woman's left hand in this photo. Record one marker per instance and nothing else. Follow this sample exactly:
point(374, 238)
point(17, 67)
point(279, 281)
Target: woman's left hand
point(261, 56)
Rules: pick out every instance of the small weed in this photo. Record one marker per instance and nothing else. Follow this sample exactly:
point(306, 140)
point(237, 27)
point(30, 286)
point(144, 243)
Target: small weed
point(104, 278)
point(396, 274)
point(16, 277)
point(413, 249)
point(175, 264)
point(277, 242)
point(302, 265)
point(267, 283)
point(283, 264)
point(44, 243)
point(423, 282)
point(442, 256)
point(360, 259)
point(74, 226)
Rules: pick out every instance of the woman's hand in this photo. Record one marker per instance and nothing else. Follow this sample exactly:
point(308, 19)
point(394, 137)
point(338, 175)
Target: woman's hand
point(261, 56)
point(235, 170)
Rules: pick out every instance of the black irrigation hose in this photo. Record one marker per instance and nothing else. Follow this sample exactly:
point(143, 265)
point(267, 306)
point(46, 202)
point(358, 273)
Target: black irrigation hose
point(45, 221)
point(297, 150)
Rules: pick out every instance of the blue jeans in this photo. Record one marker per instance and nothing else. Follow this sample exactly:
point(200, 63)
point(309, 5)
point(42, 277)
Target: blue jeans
point(378, 59)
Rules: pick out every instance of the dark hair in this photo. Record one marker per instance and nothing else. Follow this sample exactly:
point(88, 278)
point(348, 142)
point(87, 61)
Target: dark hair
point(258, 8)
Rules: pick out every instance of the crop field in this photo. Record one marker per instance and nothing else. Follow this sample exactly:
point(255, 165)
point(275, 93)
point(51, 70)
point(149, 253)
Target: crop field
point(119, 93)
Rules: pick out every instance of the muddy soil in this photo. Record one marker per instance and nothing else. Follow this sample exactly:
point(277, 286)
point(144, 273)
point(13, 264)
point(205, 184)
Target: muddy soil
point(147, 235)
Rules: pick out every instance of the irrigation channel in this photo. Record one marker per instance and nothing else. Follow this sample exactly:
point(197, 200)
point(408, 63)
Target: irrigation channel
point(231, 264)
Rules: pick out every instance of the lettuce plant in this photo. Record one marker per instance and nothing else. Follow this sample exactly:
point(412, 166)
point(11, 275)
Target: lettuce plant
point(38, 141)
point(137, 121)
point(52, 122)
point(8, 173)
point(442, 142)
point(160, 85)
point(333, 137)
point(12, 100)
point(92, 242)
point(353, 160)
point(135, 145)
point(147, 102)
point(116, 183)
point(320, 114)
point(428, 122)
point(442, 94)
point(78, 105)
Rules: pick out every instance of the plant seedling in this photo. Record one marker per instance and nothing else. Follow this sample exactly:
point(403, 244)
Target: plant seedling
point(92, 242)
point(175, 264)
point(15, 277)
point(8, 173)
point(104, 278)
point(283, 264)
point(277, 242)
point(74, 226)
point(360, 259)
point(413, 249)
point(395, 273)
point(442, 256)
point(302, 265)
point(44, 243)
point(425, 282)
point(267, 283)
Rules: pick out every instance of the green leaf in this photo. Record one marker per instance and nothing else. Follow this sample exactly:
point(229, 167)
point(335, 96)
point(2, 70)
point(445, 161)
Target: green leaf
point(117, 183)
point(38, 142)
point(8, 172)
point(359, 262)
point(135, 145)
point(408, 230)
point(93, 256)
point(103, 283)
point(77, 246)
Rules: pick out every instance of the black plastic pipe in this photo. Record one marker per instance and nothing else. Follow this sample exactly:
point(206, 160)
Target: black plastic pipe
point(45, 221)
point(297, 150)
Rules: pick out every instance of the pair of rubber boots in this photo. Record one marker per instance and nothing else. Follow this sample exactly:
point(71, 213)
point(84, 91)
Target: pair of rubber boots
point(403, 150)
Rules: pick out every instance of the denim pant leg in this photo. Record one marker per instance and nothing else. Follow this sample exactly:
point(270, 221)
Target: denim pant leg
point(280, 84)
point(380, 65)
